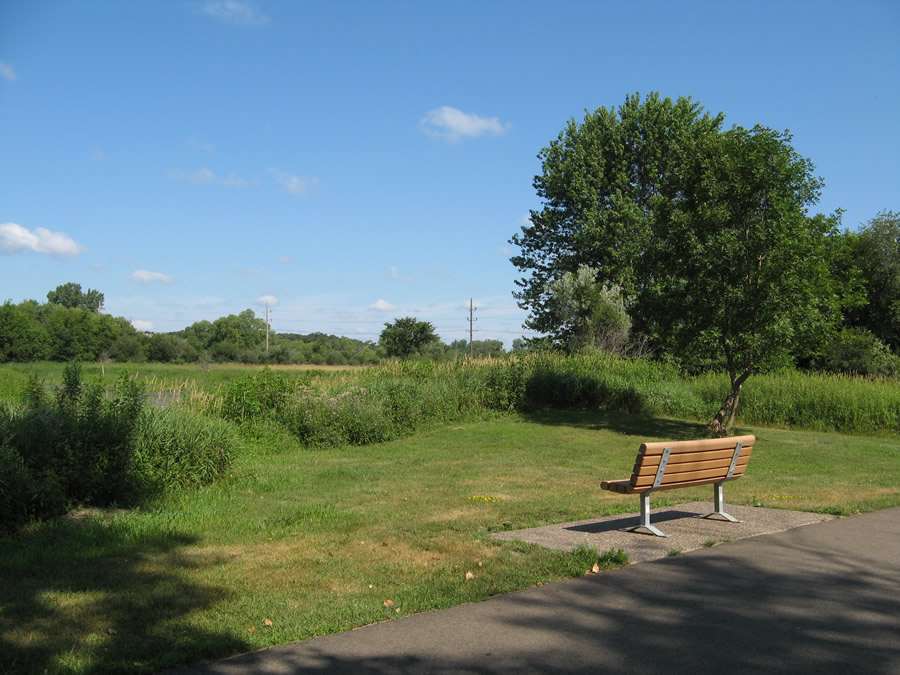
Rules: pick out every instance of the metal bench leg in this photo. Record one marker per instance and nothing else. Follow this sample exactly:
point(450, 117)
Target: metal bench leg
point(645, 518)
point(719, 502)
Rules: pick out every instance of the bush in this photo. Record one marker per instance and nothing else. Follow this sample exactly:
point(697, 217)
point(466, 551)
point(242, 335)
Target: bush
point(80, 447)
point(858, 351)
point(175, 450)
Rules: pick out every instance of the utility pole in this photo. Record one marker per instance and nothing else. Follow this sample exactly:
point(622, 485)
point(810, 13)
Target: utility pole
point(472, 321)
point(267, 327)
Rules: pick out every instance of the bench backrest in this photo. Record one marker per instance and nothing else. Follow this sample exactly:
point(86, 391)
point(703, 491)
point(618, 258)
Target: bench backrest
point(691, 462)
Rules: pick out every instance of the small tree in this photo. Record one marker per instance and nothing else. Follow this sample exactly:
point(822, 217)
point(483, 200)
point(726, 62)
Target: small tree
point(590, 315)
point(407, 336)
point(70, 295)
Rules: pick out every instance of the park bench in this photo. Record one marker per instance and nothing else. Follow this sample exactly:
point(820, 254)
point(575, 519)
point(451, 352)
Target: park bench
point(677, 464)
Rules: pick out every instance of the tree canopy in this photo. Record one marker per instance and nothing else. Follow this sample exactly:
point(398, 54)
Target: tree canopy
point(876, 253)
point(406, 337)
point(71, 296)
point(705, 230)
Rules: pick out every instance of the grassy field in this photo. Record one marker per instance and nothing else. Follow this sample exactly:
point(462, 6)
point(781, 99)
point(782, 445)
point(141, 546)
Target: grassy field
point(157, 376)
point(298, 543)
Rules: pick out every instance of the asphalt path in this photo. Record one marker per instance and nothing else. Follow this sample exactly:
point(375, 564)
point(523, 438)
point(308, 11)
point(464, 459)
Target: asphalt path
point(821, 598)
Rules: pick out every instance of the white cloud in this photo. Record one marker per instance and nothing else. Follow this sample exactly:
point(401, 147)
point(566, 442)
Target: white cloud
point(296, 185)
point(286, 260)
point(15, 239)
point(267, 299)
point(394, 273)
point(233, 180)
point(199, 176)
point(382, 305)
point(142, 325)
point(249, 272)
point(232, 11)
point(98, 155)
point(526, 220)
point(205, 176)
point(504, 250)
point(453, 124)
point(7, 72)
point(145, 277)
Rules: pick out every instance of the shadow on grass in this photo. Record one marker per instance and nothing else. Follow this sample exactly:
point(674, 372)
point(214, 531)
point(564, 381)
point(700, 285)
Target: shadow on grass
point(639, 426)
point(798, 602)
point(95, 596)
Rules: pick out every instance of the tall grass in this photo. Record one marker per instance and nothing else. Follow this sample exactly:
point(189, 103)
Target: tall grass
point(395, 399)
point(84, 447)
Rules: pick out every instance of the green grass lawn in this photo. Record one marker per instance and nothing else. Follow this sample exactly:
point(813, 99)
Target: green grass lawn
point(298, 543)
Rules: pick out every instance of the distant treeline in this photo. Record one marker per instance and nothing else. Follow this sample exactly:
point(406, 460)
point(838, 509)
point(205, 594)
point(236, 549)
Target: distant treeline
point(71, 327)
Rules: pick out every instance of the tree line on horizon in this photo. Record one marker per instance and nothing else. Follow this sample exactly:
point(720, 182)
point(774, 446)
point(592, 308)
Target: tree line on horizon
point(71, 326)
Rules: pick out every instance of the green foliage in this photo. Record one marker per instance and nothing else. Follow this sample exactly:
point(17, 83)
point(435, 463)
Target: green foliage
point(704, 230)
point(406, 337)
point(876, 253)
point(75, 449)
point(80, 447)
point(589, 314)
point(70, 295)
point(857, 351)
point(22, 337)
point(175, 450)
point(605, 184)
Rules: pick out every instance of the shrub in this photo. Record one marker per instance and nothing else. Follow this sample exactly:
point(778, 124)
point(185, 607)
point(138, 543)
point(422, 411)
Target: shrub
point(176, 449)
point(858, 351)
point(80, 447)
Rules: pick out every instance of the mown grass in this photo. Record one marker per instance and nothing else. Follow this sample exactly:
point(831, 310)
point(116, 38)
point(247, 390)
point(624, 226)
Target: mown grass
point(300, 542)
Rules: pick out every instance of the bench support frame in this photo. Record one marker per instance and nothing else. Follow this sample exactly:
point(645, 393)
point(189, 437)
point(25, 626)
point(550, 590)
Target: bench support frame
point(645, 498)
point(645, 518)
point(719, 491)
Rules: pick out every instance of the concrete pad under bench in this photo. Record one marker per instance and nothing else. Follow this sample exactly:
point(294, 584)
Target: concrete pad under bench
point(684, 524)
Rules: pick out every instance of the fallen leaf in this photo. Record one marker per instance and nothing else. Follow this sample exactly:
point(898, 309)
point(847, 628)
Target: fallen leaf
point(267, 622)
point(596, 568)
point(469, 576)
point(480, 564)
point(251, 629)
point(111, 631)
point(371, 587)
point(397, 610)
point(388, 603)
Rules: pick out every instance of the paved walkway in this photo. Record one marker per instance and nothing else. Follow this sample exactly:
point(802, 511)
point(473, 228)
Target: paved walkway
point(823, 598)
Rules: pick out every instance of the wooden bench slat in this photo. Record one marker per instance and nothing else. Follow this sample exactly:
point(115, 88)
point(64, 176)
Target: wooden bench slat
point(694, 446)
point(679, 458)
point(709, 475)
point(673, 469)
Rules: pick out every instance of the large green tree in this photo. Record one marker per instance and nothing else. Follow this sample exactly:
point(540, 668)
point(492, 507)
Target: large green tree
point(406, 337)
point(705, 231)
point(742, 276)
point(607, 183)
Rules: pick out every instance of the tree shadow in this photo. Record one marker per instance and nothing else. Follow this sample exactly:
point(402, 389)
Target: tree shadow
point(100, 596)
point(639, 426)
point(787, 604)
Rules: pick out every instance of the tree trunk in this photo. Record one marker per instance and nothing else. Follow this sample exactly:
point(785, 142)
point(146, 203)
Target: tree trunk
point(719, 425)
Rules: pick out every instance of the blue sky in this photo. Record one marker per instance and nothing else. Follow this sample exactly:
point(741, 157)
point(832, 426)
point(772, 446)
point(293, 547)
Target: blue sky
point(357, 162)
